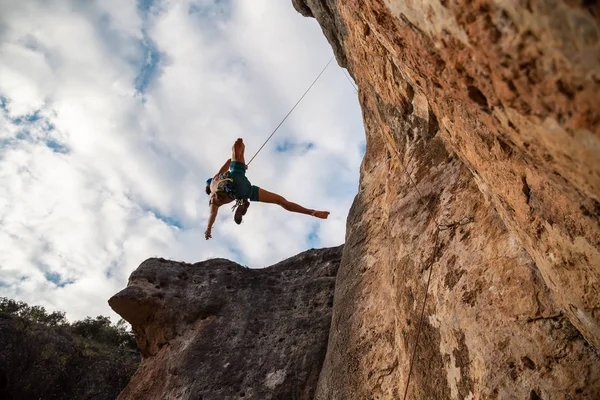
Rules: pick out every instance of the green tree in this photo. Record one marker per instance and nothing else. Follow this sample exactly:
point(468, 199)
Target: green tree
point(99, 329)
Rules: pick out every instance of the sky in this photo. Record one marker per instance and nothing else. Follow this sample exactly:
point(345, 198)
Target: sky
point(114, 113)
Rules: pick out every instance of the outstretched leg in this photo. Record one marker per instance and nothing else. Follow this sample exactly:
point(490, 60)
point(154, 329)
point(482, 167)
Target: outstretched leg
point(237, 151)
point(265, 196)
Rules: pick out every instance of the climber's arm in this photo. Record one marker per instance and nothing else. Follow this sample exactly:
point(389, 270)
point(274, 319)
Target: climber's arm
point(214, 209)
point(225, 167)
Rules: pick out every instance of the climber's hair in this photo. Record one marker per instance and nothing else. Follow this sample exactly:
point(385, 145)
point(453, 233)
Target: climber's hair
point(208, 190)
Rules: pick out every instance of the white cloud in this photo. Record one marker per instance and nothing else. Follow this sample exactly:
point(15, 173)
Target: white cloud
point(112, 118)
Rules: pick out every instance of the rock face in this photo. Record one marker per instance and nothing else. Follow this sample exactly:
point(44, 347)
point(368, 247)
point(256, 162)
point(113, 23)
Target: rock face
point(486, 110)
point(217, 330)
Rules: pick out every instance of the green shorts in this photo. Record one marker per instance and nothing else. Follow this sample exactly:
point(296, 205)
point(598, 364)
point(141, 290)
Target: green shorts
point(243, 188)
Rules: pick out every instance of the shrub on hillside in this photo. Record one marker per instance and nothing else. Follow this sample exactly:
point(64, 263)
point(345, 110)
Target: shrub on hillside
point(99, 329)
point(43, 356)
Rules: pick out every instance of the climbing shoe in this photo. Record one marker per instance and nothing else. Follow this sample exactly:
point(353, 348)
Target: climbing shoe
point(240, 211)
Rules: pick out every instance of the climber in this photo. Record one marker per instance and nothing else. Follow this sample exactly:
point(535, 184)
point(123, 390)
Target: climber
point(230, 184)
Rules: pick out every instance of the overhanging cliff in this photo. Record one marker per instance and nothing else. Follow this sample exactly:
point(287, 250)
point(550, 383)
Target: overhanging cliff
point(479, 109)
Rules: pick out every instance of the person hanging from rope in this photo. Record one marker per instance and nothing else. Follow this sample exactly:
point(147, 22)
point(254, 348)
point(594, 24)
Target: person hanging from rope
point(230, 184)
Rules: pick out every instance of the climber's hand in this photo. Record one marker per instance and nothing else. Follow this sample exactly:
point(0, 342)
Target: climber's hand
point(207, 234)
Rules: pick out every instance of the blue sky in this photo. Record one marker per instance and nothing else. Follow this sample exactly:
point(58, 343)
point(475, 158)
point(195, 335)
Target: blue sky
point(114, 113)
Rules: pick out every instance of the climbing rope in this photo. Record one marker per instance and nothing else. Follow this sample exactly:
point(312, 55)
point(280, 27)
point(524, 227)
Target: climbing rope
point(439, 228)
point(349, 80)
point(295, 105)
point(430, 267)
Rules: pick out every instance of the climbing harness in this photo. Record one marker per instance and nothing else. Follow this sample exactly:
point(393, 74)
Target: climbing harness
point(295, 105)
point(238, 202)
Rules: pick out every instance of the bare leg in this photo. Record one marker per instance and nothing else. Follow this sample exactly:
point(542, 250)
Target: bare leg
point(237, 151)
point(268, 197)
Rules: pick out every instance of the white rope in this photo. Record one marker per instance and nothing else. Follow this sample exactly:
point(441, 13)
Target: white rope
point(288, 114)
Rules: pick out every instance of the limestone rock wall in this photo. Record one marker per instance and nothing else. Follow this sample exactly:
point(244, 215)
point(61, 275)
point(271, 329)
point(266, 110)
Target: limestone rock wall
point(216, 330)
point(489, 108)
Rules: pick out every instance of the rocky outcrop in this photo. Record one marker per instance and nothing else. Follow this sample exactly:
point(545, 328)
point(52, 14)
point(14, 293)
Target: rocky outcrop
point(217, 330)
point(486, 110)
